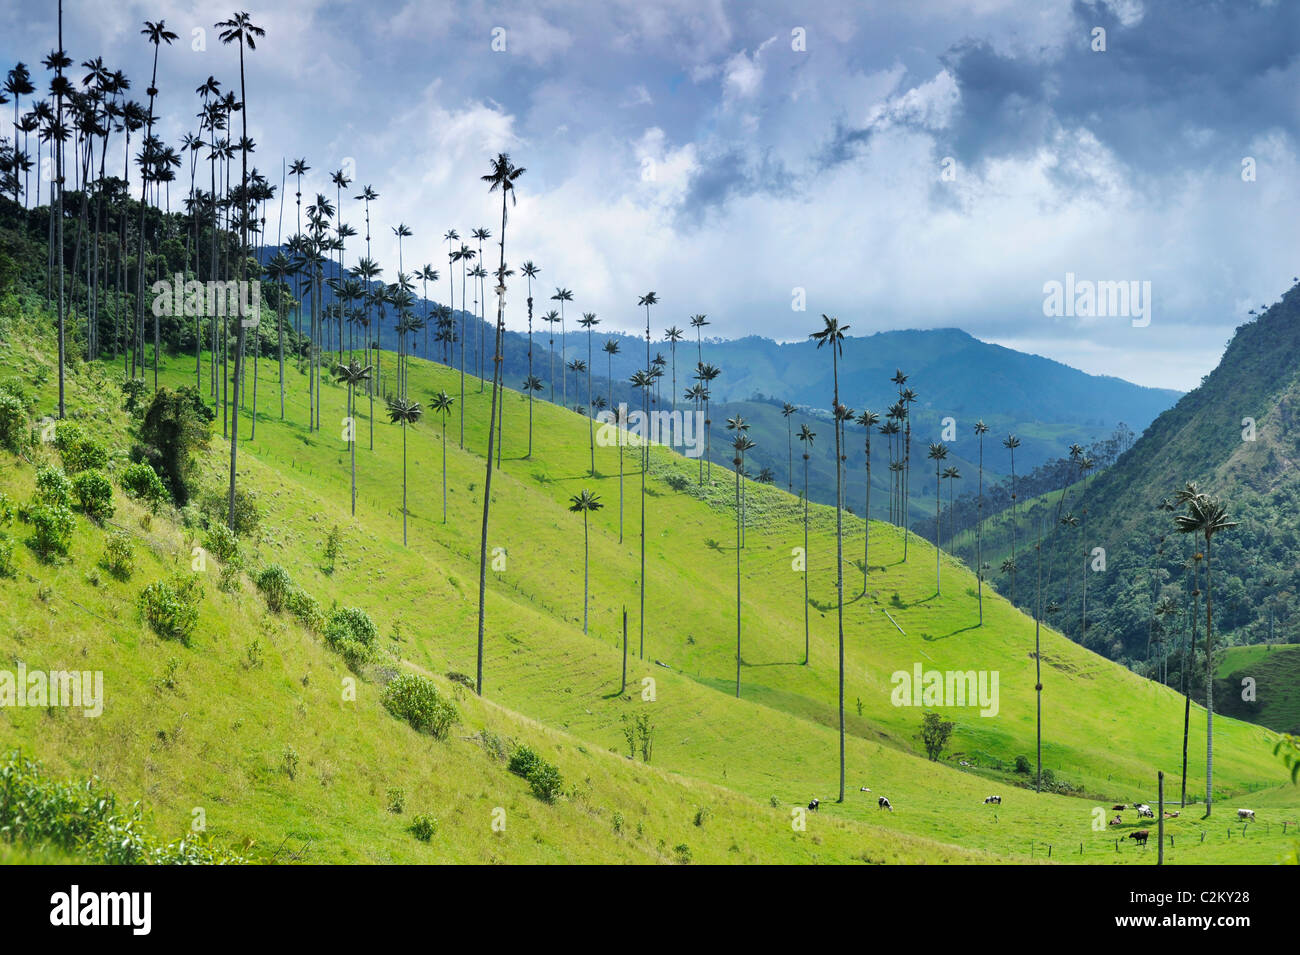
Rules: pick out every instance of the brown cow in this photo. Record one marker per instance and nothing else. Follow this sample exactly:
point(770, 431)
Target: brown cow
point(1119, 808)
point(1140, 836)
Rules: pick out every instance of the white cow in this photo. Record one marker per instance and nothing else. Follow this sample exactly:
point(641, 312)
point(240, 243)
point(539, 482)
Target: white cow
point(1247, 814)
point(1146, 811)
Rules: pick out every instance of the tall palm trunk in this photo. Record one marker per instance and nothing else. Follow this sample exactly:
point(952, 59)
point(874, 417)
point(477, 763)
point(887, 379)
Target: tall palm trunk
point(839, 549)
point(487, 483)
point(805, 561)
point(979, 538)
point(1209, 684)
point(1188, 656)
point(739, 468)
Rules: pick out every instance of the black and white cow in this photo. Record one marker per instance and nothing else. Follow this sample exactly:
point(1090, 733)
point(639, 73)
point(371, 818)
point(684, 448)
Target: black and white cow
point(1246, 814)
point(814, 804)
point(1146, 812)
point(883, 803)
point(996, 800)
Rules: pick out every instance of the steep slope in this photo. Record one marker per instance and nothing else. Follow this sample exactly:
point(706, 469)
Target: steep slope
point(776, 743)
point(1235, 436)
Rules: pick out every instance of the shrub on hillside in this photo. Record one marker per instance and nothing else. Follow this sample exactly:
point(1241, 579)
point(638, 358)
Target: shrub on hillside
point(52, 526)
point(52, 487)
point(306, 608)
point(13, 423)
point(6, 555)
point(276, 585)
point(78, 450)
point(221, 543)
point(351, 626)
point(171, 606)
point(119, 555)
point(543, 778)
point(416, 699)
point(142, 483)
point(133, 392)
point(423, 826)
point(94, 494)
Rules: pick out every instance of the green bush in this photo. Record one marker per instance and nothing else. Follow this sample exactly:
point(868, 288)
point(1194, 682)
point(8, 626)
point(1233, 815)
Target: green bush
point(174, 427)
point(94, 493)
point(6, 555)
point(221, 543)
point(81, 817)
point(119, 555)
point(416, 699)
point(423, 826)
point(306, 608)
point(276, 586)
point(544, 779)
point(350, 624)
point(13, 423)
point(133, 392)
point(52, 487)
point(79, 451)
point(171, 606)
point(52, 526)
point(142, 483)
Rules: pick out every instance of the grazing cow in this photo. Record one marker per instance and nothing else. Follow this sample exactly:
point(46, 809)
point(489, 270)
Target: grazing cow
point(1140, 837)
point(883, 803)
point(1247, 814)
point(814, 804)
point(1145, 812)
point(993, 799)
point(1117, 821)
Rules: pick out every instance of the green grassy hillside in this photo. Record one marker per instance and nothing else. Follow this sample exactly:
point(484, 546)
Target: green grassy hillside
point(217, 737)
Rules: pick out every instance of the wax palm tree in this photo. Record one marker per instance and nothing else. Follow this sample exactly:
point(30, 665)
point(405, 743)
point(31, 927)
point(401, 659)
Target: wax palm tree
point(832, 334)
point(463, 255)
point(705, 374)
point(404, 411)
point(238, 29)
point(562, 295)
point(503, 177)
point(530, 272)
point(352, 374)
point(1206, 516)
point(742, 443)
point(584, 503)
point(937, 453)
point(643, 380)
point(907, 397)
point(868, 420)
point(426, 274)
point(806, 438)
point(611, 347)
point(672, 336)
point(478, 273)
point(787, 410)
point(401, 231)
point(279, 270)
point(1011, 442)
point(981, 429)
point(481, 235)
point(590, 321)
point(441, 406)
point(158, 34)
point(739, 425)
point(951, 474)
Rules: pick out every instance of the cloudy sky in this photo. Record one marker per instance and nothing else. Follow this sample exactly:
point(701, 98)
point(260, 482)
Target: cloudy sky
point(923, 164)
